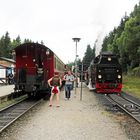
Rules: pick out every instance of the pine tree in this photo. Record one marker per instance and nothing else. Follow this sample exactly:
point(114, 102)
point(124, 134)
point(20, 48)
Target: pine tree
point(88, 56)
point(5, 47)
point(16, 42)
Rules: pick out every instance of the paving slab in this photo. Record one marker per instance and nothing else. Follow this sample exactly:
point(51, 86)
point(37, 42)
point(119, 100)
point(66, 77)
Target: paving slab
point(6, 90)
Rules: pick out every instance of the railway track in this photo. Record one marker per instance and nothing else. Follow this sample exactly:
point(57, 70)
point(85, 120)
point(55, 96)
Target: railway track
point(130, 107)
point(11, 113)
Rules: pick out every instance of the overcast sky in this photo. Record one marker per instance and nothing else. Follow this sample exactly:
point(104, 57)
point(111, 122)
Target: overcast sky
point(56, 22)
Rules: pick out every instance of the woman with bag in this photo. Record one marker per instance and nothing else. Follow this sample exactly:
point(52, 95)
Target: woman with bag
point(55, 84)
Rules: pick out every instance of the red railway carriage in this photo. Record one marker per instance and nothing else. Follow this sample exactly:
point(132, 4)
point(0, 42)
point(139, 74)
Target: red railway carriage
point(35, 64)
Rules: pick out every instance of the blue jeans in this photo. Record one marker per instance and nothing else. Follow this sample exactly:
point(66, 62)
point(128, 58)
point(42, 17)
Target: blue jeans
point(68, 89)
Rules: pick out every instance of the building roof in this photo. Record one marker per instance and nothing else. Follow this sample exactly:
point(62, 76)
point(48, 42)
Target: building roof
point(4, 66)
point(1, 66)
point(7, 59)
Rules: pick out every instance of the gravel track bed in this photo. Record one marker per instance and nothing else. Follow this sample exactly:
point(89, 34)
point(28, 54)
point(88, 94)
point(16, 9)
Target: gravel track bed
point(73, 120)
point(128, 124)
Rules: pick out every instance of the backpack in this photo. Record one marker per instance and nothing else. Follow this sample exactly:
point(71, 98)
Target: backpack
point(55, 81)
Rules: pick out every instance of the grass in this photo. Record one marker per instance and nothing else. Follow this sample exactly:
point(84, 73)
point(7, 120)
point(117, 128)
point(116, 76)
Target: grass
point(10, 102)
point(131, 85)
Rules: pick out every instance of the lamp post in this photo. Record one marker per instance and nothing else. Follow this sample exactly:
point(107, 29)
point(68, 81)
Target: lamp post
point(76, 40)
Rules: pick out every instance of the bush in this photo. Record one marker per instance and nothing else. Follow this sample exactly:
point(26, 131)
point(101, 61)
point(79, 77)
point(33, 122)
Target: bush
point(136, 72)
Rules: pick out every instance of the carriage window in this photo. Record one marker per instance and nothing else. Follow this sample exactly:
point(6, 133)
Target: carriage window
point(55, 63)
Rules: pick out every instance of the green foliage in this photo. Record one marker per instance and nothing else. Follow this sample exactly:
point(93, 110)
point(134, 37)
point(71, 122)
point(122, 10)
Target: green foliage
point(136, 72)
point(70, 64)
point(89, 56)
point(125, 40)
point(15, 42)
point(28, 41)
point(7, 45)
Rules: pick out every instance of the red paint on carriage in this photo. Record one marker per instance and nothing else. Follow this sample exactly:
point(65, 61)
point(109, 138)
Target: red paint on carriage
point(35, 64)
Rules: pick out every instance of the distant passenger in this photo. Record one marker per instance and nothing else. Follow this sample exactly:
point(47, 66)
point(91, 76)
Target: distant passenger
point(10, 79)
point(55, 83)
point(69, 79)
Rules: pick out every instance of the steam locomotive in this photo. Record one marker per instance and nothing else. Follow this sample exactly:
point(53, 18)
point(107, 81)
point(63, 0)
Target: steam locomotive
point(35, 64)
point(105, 74)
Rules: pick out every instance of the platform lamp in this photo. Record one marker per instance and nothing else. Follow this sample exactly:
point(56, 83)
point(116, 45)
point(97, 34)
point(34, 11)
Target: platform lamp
point(76, 40)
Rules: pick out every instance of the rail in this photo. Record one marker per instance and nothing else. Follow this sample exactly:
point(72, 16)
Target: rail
point(129, 106)
point(11, 113)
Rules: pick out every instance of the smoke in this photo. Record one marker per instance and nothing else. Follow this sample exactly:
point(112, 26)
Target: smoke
point(101, 33)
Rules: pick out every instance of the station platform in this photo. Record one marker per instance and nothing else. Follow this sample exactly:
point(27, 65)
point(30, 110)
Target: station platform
point(75, 119)
point(5, 90)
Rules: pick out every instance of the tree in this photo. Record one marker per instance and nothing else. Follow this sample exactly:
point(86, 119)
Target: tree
point(129, 39)
point(42, 42)
point(88, 56)
point(5, 45)
point(16, 42)
point(27, 40)
point(125, 40)
point(2, 46)
point(105, 43)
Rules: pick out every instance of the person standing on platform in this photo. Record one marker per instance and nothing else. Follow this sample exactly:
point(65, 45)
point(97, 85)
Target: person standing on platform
point(69, 79)
point(55, 84)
